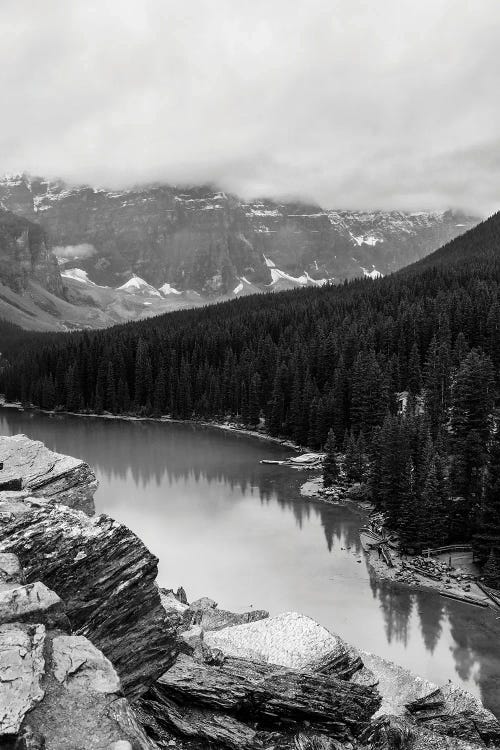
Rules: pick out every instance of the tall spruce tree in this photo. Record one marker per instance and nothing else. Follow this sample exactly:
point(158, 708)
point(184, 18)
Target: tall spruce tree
point(487, 538)
point(470, 421)
point(330, 465)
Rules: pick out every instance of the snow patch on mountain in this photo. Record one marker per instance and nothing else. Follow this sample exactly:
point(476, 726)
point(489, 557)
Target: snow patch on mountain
point(303, 280)
point(77, 274)
point(136, 285)
point(368, 240)
point(372, 274)
point(167, 289)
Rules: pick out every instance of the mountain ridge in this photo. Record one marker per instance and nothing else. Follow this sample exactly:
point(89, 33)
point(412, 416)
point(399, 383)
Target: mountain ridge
point(193, 246)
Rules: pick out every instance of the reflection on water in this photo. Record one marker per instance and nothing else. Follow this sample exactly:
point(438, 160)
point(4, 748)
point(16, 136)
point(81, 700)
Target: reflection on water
point(226, 526)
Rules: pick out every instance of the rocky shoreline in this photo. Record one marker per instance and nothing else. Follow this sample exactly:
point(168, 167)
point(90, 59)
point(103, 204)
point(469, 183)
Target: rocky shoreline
point(93, 654)
point(453, 580)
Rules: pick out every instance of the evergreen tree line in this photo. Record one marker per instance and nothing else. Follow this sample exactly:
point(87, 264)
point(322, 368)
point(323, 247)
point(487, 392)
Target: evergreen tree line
point(318, 364)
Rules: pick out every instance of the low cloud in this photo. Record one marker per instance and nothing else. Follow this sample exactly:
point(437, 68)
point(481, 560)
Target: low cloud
point(352, 103)
point(74, 252)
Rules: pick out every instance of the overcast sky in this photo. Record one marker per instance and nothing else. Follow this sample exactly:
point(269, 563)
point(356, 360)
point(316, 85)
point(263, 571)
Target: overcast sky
point(352, 103)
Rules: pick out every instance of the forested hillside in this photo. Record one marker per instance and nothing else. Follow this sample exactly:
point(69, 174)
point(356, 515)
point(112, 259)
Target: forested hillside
point(307, 362)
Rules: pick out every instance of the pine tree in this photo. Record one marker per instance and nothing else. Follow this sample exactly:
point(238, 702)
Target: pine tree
point(434, 506)
point(409, 520)
point(368, 400)
point(414, 372)
point(394, 462)
point(330, 465)
point(277, 405)
point(355, 460)
point(254, 401)
point(110, 389)
point(143, 375)
point(159, 395)
point(487, 537)
point(491, 571)
point(471, 408)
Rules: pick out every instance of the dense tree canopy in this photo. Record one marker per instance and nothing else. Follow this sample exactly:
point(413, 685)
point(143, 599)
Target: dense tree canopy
point(308, 362)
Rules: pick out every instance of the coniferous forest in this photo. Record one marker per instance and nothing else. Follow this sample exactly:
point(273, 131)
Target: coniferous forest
point(400, 375)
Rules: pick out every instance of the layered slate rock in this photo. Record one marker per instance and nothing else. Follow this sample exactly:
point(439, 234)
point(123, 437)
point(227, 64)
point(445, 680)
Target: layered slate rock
point(397, 733)
point(57, 690)
point(414, 710)
point(228, 700)
point(105, 575)
point(46, 474)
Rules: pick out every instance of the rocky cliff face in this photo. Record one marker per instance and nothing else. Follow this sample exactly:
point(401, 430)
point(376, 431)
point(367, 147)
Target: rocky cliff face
point(25, 256)
point(78, 601)
point(208, 241)
point(102, 570)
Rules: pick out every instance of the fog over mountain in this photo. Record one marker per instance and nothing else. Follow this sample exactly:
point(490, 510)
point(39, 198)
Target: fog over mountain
point(351, 104)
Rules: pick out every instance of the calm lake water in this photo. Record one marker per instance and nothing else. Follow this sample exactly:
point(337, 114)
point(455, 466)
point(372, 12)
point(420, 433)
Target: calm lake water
point(225, 526)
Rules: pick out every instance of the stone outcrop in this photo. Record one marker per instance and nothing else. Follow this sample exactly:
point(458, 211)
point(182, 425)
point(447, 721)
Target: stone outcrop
point(106, 577)
point(98, 567)
point(82, 619)
point(43, 473)
point(25, 255)
point(57, 690)
point(288, 682)
point(269, 695)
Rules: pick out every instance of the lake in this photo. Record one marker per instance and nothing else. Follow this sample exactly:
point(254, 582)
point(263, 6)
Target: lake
point(225, 526)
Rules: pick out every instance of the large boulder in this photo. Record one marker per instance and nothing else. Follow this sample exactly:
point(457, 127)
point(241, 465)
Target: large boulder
point(46, 474)
point(289, 639)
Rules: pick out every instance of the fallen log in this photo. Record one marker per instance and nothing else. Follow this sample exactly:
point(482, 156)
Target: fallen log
point(495, 597)
point(269, 695)
point(465, 599)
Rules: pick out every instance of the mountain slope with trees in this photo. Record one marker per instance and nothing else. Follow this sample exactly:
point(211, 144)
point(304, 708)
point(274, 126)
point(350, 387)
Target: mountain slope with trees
point(328, 363)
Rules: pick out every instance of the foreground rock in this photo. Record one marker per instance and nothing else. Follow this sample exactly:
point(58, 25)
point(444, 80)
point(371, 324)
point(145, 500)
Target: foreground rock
point(57, 691)
point(106, 577)
point(86, 604)
point(46, 474)
point(286, 682)
point(232, 699)
point(289, 639)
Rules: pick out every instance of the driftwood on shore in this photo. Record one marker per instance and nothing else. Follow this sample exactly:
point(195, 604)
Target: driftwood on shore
point(465, 599)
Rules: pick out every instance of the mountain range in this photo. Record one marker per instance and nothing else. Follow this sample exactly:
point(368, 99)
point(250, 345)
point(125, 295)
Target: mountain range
point(82, 257)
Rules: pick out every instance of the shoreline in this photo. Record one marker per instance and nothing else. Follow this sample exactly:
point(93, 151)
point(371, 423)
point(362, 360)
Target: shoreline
point(227, 426)
point(456, 584)
point(311, 489)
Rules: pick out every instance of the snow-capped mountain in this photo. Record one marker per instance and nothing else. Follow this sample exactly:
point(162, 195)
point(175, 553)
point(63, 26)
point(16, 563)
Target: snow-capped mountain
point(207, 240)
point(138, 286)
point(140, 251)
